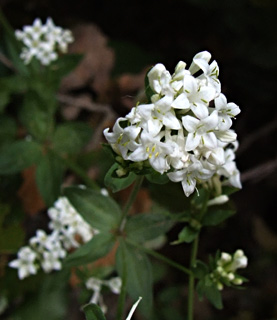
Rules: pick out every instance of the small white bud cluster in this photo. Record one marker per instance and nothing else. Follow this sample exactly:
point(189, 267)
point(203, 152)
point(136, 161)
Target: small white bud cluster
point(47, 250)
point(96, 285)
point(185, 130)
point(227, 266)
point(43, 41)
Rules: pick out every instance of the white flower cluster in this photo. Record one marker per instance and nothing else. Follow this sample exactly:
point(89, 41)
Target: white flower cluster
point(47, 250)
point(185, 130)
point(43, 41)
point(227, 267)
point(96, 284)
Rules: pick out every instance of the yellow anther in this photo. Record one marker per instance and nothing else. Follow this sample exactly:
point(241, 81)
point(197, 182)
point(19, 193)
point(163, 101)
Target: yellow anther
point(150, 156)
point(147, 149)
point(156, 154)
point(153, 149)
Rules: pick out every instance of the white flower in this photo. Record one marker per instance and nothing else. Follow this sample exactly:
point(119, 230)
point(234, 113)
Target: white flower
point(189, 175)
point(50, 262)
point(43, 41)
point(200, 131)
point(25, 263)
point(226, 111)
point(154, 150)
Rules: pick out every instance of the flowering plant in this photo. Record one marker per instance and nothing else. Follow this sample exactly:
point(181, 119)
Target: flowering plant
point(180, 132)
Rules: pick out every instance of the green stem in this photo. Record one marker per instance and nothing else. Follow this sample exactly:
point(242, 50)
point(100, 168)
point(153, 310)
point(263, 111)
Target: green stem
point(161, 257)
point(130, 201)
point(191, 278)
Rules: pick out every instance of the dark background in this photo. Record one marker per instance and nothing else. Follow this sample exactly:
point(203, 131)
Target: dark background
point(241, 35)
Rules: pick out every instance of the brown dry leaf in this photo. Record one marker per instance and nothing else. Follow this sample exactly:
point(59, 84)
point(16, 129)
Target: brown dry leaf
point(263, 235)
point(94, 70)
point(29, 194)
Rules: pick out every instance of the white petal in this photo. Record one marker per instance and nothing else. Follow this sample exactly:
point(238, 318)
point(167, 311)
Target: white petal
point(190, 123)
point(211, 121)
point(193, 141)
point(188, 185)
point(210, 140)
point(199, 60)
point(226, 136)
point(200, 110)
point(181, 102)
point(171, 122)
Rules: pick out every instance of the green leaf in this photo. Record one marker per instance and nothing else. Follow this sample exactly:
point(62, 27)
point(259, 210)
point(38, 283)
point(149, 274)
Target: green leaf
point(214, 217)
point(156, 177)
point(116, 183)
point(101, 212)
point(201, 270)
point(93, 312)
point(100, 245)
point(228, 190)
point(36, 117)
point(187, 235)
point(18, 156)
point(7, 130)
point(49, 177)
point(148, 226)
point(206, 287)
point(139, 275)
point(79, 133)
point(11, 235)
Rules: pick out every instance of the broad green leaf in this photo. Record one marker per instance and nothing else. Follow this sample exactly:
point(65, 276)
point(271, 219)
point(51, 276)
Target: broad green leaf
point(214, 217)
point(148, 226)
point(49, 177)
point(101, 212)
point(93, 312)
point(100, 245)
point(187, 235)
point(139, 275)
point(35, 116)
point(71, 137)
point(18, 156)
point(116, 183)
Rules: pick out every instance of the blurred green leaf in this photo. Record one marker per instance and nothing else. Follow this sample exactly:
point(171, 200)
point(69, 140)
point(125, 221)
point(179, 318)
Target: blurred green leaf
point(36, 117)
point(156, 177)
point(11, 234)
point(18, 156)
point(100, 245)
point(188, 234)
point(215, 216)
point(116, 183)
point(139, 275)
point(7, 130)
point(93, 312)
point(101, 212)
point(79, 133)
point(50, 302)
point(49, 177)
point(206, 287)
point(144, 227)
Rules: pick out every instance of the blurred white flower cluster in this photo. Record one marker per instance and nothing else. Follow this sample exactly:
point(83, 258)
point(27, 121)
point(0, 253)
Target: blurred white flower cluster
point(185, 130)
point(96, 285)
point(47, 250)
point(43, 41)
point(227, 266)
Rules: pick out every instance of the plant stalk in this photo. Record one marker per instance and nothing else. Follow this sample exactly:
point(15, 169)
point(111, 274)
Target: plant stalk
point(130, 202)
point(191, 278)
